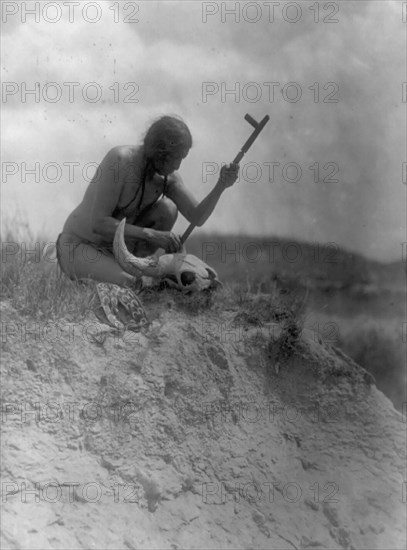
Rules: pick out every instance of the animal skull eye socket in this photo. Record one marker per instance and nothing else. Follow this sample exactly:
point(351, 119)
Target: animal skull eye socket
point(187, 278)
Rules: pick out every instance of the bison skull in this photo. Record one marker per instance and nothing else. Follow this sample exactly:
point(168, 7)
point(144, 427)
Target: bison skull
point(182, 271)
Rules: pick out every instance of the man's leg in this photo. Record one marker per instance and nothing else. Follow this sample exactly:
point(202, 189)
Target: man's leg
point(82, 261)
point(162, 217)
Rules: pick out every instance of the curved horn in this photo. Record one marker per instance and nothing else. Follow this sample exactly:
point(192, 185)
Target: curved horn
point(131, 264)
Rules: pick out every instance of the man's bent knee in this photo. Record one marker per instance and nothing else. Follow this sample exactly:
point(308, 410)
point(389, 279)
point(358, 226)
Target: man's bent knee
point(170, 211)
point(161, 216)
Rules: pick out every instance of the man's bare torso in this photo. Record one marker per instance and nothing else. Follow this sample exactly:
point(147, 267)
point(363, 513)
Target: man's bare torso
point(125, 182)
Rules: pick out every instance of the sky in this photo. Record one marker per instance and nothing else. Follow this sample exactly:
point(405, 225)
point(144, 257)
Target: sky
point(327, 167)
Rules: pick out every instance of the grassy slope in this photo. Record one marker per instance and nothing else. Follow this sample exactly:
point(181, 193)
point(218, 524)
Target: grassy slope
point(355, 303)
point(167, 452)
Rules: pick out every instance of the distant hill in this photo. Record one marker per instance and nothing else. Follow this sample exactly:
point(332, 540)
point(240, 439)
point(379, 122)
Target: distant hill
point(314, 264)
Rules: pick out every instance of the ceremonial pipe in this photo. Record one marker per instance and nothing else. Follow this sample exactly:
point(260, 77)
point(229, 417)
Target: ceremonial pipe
point(258, 127)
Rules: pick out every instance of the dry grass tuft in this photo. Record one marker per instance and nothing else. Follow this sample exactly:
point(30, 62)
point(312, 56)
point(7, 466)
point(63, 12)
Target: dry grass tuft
point(33, 284)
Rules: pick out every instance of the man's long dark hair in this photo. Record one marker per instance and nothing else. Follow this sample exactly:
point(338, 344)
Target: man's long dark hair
point(167, 135)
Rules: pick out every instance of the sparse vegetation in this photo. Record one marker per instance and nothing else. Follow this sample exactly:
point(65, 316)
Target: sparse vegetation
point(44, 295)
point(34, 285)
point(36, 289)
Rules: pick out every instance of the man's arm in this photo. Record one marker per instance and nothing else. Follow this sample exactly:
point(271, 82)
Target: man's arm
point(111, 177)
point(198, 213)
point(110, 181)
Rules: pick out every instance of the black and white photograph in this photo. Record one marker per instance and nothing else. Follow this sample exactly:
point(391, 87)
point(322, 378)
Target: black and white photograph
point(203, 275)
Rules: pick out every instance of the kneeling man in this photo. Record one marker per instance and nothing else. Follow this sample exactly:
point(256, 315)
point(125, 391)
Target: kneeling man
point(140, 183)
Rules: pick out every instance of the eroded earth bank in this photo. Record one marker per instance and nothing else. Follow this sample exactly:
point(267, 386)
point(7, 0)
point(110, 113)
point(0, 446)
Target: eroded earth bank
point(192, 436)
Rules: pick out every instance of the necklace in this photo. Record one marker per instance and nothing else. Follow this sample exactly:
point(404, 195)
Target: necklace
point(147, 167)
